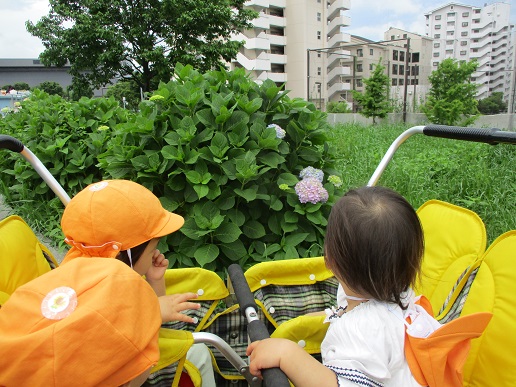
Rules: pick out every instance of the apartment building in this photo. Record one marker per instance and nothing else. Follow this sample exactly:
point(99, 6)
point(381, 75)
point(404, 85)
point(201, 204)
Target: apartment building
point(403, 54)
point(465, 32)
point(297, 43)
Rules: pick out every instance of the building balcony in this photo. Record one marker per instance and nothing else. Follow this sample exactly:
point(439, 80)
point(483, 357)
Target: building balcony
point(338, 40)
point(262, 22)
point(261, 63)
point(277, 40)
point(338, 55)
point(339, 71)
point(337, 6)
point(278, 3)
point(277, 21)
point(277, 58)
point(257, 3)
point(337, 22)
point(338, 87)
point(258, 44)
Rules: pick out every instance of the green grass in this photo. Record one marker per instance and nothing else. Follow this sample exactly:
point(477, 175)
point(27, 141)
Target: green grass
point(476, 176)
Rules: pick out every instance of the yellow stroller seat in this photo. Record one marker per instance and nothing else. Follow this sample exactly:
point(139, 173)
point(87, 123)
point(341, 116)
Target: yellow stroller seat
point(23, 256)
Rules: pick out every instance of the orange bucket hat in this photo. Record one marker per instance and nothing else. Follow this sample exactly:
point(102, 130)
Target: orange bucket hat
point(114, 215)
point(80, 324)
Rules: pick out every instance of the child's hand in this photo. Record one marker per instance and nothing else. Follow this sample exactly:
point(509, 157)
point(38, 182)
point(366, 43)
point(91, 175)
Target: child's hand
point(172, 305)
point(266, 354)
point(157, 269)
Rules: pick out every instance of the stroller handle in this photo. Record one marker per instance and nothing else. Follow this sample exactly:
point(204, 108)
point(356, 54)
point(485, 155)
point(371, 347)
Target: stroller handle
point(10, 143)
point(15, 145)
point(272, 377)
point(490, 135)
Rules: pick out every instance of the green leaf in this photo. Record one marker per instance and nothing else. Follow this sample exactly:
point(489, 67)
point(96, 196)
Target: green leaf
point(253, 229)
point(234, 251)
point(248, 194)
point(294, 239)
point(227, 233)
point(201, 190)
point(206, 254)
point(288, 179)
point(272, 159)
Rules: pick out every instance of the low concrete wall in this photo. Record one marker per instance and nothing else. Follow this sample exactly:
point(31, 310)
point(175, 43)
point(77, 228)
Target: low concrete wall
point(500, 121)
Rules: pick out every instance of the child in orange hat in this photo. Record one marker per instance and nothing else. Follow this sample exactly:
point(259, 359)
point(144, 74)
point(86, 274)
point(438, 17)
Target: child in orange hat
point(379, 335)
point(123, 220)
point(80, 324)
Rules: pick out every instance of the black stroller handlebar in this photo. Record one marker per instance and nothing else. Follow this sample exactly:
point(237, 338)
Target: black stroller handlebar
point(488, 135)
point(10, 143)
point(272, 377)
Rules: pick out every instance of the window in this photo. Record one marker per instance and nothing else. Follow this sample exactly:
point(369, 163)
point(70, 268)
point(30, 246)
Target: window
point(449, 52)
point(318, 55)
point(437, 27)
point(360, 52)
point(360, 68)
point(318, 88)
point(371, 66)
point(437, 36)
point(395, 69)
point(371, 51)
point(463, 53)
point(402, 56)
point(464, 43)
point(394, 54)
point(449, 42)
point(465, 24)
point(359, 83)
point(393, 37)
point(475, 50)
point(476, 31)
point(437, 17)
point(415, 57)
point(436, 54)
point(464, 33)
point(401, 82)
point(415, 70)
point(402, 69)
point(477, 10)
point(394, 82)
point(450, 33)
point(318, 71)
point(318, 35)
point(450, 14)
point(319, 1)
point(450, 23)
point(465, 14)
point(435, 64)
point(318, 16)
point(437, 45)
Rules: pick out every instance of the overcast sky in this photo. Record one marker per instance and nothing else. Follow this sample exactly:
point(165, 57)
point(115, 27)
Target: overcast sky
point(369, 19)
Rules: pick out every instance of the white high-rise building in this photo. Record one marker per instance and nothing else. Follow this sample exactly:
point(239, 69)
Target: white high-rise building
point(297, 42)
point(465, 32)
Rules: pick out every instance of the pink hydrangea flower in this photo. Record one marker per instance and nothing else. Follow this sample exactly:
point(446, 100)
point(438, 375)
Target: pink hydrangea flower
point(311, 190)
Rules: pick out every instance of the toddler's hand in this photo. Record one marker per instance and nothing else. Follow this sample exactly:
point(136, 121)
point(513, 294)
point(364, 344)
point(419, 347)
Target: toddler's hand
point(172, 305)
point(157, 269)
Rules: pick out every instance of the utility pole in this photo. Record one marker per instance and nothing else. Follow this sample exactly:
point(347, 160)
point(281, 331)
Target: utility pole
point(308, 75)
point(405, 86)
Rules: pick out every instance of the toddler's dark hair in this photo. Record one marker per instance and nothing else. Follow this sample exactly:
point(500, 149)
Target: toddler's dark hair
point(374, 243)
point(136, 253)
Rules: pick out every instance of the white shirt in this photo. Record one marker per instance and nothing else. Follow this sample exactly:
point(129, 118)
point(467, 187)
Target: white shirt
point(365, 346)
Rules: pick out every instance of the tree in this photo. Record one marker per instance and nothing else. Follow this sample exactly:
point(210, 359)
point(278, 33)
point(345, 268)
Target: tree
point(338, 107)
point(494, 104)
point(21, 86)
point(139, 40)
point(127, 89)
point(451, 99)
point(50, 87)
point(374, 102)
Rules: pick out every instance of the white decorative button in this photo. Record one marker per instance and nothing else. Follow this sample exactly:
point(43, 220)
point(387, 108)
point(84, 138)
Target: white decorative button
point(272, 310)
point(195, 320)
point(301, 343)
point(263, 282)
point(200, 292)
point(59, 303)
point(98, 186)
point(312, 277)
point(115, 247)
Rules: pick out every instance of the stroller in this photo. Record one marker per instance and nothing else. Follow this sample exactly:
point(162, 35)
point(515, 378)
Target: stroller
point(459, 277)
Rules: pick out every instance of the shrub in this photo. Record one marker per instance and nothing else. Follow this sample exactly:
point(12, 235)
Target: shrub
point(51, 87)
point(226, 153)
point(66, 137)
point(338, 107)
point(249, 168)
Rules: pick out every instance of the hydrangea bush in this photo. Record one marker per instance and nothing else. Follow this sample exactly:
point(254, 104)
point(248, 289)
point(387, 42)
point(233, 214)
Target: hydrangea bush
point(235, 159)
point(249, 168)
